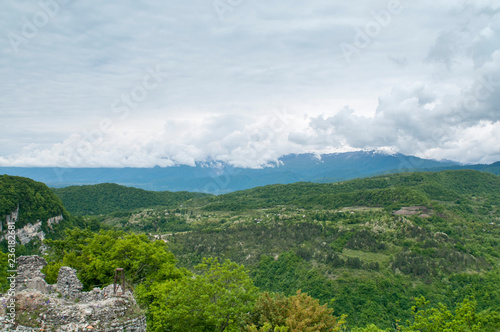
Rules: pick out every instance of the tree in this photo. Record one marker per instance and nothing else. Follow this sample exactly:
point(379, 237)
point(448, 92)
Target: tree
point(217, 299)
point(96, 256)
point(298, 313)
point(369, 328)
point(465, 318)
point(267, 328)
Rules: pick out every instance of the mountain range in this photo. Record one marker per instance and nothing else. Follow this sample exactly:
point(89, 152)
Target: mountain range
point(219, 178)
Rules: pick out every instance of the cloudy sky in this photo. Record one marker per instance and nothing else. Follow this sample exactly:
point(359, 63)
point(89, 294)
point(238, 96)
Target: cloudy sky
point(128, 83)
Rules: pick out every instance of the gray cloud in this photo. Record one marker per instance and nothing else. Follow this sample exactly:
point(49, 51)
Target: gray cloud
point(267, 80)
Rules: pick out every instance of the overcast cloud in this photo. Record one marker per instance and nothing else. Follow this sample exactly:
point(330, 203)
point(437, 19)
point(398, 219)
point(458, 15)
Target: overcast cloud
point(139, 84)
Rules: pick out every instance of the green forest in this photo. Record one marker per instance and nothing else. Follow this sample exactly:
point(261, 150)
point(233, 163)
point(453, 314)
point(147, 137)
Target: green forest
point(400, 252)
point(34, 199)
point(109, 197)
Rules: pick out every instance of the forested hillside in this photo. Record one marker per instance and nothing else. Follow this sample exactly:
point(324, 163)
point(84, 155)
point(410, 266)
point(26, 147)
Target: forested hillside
point(35, 200)
point(109, 197)
point(37, 205)
point(371, 244)
point(382, 191)
point(399, 251)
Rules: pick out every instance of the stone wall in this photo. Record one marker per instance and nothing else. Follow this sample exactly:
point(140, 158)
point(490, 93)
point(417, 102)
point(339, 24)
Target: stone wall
point(68, 283)
point(28, 268)
point(63, 307)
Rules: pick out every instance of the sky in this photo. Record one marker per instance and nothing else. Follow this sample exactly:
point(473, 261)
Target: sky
point(162, 83)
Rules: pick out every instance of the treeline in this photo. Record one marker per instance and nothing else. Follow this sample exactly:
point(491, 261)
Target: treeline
point(389, 191)
point(108, 198)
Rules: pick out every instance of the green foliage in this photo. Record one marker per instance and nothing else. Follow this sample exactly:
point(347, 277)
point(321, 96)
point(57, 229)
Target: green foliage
point(51, 271)
point(371, 261)
point(96, 256)
point(298, 313)
point(216, 299)
point(482, 287)
point(389, 191)
point(464, 319)
point(109, 198)
point(341, 243)
point(365, 240)
point(35, 200)
point(267, 328)
point(379, 300)
point(341, 240)
point(4, 284)
point(308, 195)
point(290, 273)
point(370, 328)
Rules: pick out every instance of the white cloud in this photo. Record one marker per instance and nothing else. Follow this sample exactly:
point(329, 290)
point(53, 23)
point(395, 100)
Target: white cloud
point(421, 86)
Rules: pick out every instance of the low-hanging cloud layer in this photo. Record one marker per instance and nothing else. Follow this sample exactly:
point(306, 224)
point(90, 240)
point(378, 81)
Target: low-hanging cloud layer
point(125, 84)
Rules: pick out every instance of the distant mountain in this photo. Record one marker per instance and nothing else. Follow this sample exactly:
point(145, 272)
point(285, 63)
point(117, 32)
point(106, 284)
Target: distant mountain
point(221, 178)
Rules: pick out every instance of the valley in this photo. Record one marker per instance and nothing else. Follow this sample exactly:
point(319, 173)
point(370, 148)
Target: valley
point(366, 248)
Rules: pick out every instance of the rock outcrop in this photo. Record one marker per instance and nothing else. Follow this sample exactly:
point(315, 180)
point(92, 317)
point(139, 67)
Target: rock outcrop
point(29, 231)
point(64, 307)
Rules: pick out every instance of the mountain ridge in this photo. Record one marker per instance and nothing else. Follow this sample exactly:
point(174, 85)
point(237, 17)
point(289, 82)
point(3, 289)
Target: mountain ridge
point(109, 197)
point(219, 178)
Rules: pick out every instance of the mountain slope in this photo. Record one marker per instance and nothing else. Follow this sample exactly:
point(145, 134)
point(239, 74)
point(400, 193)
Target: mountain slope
point(109, 197)
point(367, 246)
point(36, 211)
point(35, 200)
point(381, 191)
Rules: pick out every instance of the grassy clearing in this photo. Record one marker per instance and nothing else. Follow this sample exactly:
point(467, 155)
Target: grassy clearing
point(361, 209)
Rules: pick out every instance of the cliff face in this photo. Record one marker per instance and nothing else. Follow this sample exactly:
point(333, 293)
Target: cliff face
point(63, 307)
point(28, 232)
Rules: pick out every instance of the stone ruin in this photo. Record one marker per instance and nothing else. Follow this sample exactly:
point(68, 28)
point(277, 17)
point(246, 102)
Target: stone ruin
point(28, 269)
point(63, 307)
point(68, 283)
